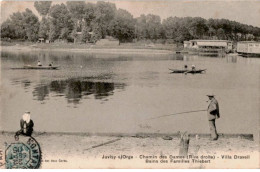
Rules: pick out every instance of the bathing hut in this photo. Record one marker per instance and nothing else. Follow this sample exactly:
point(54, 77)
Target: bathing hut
point(248, 48)
point(209, 47)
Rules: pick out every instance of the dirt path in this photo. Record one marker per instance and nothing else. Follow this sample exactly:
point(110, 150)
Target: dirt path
point(79, 151)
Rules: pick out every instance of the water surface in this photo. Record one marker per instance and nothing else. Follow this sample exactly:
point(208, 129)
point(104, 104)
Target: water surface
point(118, 93)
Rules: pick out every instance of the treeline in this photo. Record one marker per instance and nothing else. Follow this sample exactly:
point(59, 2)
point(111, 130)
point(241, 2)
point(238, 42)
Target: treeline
point(89, 22)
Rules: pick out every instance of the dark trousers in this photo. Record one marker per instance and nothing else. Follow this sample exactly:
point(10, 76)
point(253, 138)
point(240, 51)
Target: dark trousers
point(213, 130)
point(21, 132)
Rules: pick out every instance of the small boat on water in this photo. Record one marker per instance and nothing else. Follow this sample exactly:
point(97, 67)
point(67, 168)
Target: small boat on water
point(188, 71)
point(37, 67)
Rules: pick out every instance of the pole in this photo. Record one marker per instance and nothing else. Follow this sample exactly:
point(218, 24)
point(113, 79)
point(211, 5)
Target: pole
point(184, 144)
point(178, 113)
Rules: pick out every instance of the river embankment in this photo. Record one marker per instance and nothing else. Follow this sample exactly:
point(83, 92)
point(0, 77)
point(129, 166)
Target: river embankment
point(61, 150)
point(91, 48)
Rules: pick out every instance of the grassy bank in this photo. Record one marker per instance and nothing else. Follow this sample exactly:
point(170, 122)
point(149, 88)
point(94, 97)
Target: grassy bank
point(129, 48)
point(60, 45)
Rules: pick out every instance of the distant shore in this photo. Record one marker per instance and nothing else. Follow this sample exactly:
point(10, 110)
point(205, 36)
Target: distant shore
point(89, 48)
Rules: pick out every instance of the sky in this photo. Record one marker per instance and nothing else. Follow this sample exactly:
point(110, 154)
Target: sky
point(243, 11)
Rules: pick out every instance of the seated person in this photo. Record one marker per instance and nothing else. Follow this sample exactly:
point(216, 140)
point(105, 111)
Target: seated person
point(193, 67)
point(26, 125)
point(39, 63)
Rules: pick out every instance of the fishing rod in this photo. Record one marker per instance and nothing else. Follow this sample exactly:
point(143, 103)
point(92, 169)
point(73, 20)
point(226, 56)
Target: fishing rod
point(177, 114)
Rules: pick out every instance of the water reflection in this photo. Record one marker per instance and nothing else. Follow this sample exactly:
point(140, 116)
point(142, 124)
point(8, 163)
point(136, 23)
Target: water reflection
point(178, 57)
point(74, 90)
point(41, 92)
point(26, 83)
point(231, 59)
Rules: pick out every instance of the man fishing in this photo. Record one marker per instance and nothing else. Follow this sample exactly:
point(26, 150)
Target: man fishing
point(26, 125)
point(213, 114)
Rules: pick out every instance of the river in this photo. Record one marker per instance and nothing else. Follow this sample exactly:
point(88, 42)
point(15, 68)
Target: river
point(112, 93)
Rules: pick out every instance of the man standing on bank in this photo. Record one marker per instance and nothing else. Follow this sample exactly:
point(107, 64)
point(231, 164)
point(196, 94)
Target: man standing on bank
point(213, 114)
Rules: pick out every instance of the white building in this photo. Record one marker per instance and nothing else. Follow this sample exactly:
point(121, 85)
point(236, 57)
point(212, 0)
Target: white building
point(209, 44)
point(248, 47)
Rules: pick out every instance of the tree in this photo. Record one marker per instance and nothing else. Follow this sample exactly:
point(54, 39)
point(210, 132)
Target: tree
point(44, 28)
point(97, 32)
point(61, 23)
point(182, 34)
point(198, 27)
point(89, 14)
point(96, 21)
point(7, 29)
point(77, 10)
point(104, 14)
point(170, 27)
point(221, 33)
point(211, 32)
point(18, 25)
point(153, 26)
point(140, 27)
point(31, 24)
point(42, 7)
point(85, 36)
point(122, 27)
point(23, 25)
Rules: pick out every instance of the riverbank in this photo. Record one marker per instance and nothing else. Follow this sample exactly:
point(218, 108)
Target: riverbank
point(126, 48)
point(141, 151)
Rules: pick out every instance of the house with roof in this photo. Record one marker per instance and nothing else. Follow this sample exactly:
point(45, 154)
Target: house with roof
point(248, 48)
point(209, 47)
point(221, 44)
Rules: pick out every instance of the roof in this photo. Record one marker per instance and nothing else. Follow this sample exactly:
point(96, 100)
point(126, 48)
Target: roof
point(200, 40)
point(249, 42)
point(211, 43)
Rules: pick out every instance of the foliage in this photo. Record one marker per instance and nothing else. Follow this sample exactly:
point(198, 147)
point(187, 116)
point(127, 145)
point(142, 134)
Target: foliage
point(104, 13)
point(42, 7)
point(22, 26)
point(123, 26)
point(44, 28)
point(31, 25)
point(8, 29)
point(61, 23)
point(89, 22)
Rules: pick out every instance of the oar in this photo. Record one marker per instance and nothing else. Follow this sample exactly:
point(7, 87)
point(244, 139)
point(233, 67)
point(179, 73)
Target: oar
point(177, 114)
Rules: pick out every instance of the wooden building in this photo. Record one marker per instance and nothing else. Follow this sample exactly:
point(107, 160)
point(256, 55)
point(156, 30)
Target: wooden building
point(196, 44)
point(248, 48)
point(209, 47)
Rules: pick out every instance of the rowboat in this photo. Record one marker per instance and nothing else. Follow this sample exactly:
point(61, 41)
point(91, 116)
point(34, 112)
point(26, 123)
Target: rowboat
point(188, 71)
point(38, 67)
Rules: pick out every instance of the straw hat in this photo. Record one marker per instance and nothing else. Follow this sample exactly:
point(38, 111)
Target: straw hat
point(210, 95)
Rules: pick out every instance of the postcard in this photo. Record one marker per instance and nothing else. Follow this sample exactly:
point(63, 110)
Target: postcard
point(122, 84)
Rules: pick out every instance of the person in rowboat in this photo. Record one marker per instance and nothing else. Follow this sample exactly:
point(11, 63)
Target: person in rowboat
point(26, 125)
point(193, 67)
point(213, 114)
point(39, 63)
